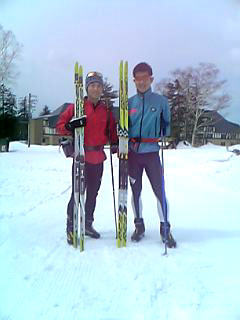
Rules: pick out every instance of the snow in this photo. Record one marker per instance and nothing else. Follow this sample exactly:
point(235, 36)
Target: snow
point(42, 277)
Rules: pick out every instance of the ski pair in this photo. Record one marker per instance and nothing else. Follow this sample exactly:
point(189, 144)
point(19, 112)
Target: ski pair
point(123, 155)
point(79, 163)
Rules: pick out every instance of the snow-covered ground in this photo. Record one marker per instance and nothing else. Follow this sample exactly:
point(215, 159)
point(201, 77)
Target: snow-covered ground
point(41, 277)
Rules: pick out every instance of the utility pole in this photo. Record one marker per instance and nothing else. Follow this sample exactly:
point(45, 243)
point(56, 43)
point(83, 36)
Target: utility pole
point(29, 117)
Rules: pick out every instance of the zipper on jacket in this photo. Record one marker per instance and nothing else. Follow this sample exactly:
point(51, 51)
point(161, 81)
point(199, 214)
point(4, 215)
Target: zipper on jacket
point(142, 119)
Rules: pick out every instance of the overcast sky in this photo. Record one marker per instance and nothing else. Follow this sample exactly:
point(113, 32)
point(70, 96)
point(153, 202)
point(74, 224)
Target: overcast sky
point(99, 33)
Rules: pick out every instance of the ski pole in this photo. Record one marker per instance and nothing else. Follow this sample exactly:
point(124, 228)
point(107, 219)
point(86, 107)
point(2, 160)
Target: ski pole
point(113, 189)
point(164, 201)
point(111, 162)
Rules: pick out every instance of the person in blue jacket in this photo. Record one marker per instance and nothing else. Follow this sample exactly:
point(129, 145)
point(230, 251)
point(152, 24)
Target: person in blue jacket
point(149, 119)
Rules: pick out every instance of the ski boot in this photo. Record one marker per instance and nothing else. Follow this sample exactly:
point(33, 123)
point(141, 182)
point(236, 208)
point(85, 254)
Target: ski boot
point(90, 231)
point(70, 238)
point(170, 241)
point(139, 232)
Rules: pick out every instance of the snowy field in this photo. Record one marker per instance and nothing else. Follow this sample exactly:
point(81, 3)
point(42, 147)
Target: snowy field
point(42, 277)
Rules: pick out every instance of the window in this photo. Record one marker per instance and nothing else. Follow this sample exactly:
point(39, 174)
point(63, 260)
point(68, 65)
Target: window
point(210, 129)
point(48, 130)
point(217, 135)
point(45, 122)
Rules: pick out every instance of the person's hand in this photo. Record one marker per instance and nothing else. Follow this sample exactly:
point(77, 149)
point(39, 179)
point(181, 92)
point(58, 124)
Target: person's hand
point(76, 123)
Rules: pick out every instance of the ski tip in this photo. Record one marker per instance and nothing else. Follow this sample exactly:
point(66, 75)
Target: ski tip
point(80, 71)
point(76, 67)
point(126, 70)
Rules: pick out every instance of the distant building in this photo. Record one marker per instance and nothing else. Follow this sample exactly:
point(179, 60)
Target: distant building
point(218, 130)
point(43, 128)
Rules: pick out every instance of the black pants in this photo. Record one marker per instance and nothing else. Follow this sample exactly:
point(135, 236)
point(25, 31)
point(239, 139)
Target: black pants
point(137, 162)
point(93, 178)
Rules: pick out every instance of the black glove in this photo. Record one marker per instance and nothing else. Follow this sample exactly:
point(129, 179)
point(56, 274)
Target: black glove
point(76, 123)
point(114, 148)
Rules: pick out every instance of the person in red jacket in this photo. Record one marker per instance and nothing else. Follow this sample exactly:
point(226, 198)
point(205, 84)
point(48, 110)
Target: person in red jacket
point(100, 127)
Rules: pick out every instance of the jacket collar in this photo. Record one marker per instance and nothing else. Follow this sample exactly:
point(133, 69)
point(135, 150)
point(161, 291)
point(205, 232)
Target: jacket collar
point(93, 105)
point(146, 93)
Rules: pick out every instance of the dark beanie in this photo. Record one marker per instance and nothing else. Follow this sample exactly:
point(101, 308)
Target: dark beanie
point(93, 77)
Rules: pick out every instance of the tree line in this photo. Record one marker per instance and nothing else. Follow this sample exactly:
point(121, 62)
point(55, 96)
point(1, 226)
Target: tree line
point(15, 114)
point(191, 91)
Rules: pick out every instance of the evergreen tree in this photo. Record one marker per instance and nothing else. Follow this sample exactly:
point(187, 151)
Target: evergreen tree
point(8, 114)
point(109, 94)
point(45, 111)
point(23, 116)
point(23, 109)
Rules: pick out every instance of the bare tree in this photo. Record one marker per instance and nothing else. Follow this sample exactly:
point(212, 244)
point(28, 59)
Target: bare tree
point(200, 91)
point(206, 91)
point(9, 52)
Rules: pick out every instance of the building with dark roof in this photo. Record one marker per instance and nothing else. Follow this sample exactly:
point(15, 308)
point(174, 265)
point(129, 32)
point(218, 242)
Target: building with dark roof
point(218, 130)
point(43, 128)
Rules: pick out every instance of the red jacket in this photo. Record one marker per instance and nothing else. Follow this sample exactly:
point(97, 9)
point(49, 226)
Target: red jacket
point(95, 131)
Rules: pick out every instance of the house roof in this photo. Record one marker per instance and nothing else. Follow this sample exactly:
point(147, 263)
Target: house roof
point(221, 124)
point(53, 117)
point(55, 112)
point(60, 109)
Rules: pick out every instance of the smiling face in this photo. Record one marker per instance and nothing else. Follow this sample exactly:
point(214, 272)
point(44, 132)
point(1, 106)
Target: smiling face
point(143, 81)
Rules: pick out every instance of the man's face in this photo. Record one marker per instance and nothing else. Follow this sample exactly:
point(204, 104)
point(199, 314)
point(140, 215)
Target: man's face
point(143, 81)
point(95, 91)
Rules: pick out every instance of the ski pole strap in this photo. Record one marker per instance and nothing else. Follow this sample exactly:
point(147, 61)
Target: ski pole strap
point(94, 148)
point(134, 140)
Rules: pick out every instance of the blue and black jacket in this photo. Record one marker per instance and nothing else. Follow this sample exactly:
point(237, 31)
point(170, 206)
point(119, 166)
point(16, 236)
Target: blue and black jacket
point(145, 113)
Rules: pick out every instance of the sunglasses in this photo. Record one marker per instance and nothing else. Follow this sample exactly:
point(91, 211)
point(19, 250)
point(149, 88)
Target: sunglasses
point(94, 74)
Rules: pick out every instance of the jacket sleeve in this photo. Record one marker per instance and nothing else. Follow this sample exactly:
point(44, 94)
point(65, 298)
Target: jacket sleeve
point(64, 118)
point(166, 118)
point(113, 129)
